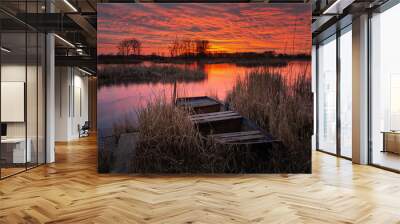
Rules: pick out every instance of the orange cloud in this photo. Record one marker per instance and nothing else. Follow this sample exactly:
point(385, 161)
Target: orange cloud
point(242, 27)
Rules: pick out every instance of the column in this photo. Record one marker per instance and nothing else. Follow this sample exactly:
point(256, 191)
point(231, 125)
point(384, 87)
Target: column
point(360, 90)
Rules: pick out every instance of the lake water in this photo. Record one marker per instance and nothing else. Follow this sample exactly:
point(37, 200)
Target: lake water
point(117, 103)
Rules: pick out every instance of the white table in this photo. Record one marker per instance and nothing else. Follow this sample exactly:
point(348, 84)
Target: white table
point(19, 153)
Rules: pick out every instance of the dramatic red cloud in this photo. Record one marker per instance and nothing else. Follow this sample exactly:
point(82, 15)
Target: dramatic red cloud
point(244, 27)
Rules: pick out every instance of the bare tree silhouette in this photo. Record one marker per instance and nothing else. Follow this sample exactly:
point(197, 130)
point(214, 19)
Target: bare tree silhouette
point(188, 47)
point(202, 47)
point(129, 47)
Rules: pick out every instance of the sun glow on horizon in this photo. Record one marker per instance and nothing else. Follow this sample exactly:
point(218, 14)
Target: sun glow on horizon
point(229, 28)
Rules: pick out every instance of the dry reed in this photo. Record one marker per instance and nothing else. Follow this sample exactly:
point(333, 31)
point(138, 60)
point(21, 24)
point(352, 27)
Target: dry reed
point(109, 75)
point(168, 142)
point(281, 107)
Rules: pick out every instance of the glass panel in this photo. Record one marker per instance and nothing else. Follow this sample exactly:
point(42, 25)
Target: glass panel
point(385, 92)
point(314, 90)
point(23, 90)
point(32, 87)
point(31, 98)
point(77, 110)
point(41, 98)
point(327, 96)
point(13, 86)
point(346, 93)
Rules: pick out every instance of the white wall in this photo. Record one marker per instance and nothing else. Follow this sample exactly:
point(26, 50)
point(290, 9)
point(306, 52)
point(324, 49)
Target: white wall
point(13, 100)
point(17, 72)
point(62, 82)
point(14, 72)
point(71, 87)
point(33, 126)
point(81, 85)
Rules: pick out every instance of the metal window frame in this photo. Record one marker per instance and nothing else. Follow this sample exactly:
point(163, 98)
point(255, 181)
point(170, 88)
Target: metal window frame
point(387, 5)
point(44, 75)
point(381, 9)
point(339, 32)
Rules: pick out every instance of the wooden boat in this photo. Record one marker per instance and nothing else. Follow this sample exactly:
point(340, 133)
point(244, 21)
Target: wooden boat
point(229, 127)
point(217, 122)
point(200, 104)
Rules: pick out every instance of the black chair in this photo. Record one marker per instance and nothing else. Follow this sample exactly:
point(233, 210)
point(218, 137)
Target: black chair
point(84, 130)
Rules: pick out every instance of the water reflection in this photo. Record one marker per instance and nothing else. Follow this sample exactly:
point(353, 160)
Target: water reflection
point(119, 102)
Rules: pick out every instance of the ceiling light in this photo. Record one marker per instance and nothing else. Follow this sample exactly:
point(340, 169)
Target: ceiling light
point(79, 51)
point(84, 71)
point(65, 41)
point(5, 50)
point(70, 5)
point(337, 7)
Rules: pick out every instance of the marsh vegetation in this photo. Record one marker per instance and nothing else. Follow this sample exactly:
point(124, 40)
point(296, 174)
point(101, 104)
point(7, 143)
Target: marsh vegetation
point(155, 73)
point(267, 88)
point(169, 142)
point(281, 107)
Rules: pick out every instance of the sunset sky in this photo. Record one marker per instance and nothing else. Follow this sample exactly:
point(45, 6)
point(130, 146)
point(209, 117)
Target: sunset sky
point(230, 27)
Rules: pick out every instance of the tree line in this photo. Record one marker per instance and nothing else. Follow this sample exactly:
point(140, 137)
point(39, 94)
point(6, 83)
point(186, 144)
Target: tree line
point(188, 48)
point(129, 47)
point(192, 49)
point(177, 48)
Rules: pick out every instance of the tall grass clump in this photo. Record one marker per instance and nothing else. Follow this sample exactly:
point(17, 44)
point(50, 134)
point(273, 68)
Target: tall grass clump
point(168, 141)
point(284, 109)
point(109, 75)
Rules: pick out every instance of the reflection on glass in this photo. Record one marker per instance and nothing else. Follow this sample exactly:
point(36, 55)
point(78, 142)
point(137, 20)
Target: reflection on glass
point(119, 102)
point(385, 93)
point(41, 99)
point(346, 94)
point(327, 96)
point(31, 101)
point(14, 153)
point(22, 91)
point(394, 102)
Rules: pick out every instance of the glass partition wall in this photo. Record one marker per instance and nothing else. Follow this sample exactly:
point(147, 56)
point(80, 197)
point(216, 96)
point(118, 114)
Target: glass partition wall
point(13, 89)
point(334, 93)
point(345, 91)
point(385, 89)
point(327, 95)
point(22, 99)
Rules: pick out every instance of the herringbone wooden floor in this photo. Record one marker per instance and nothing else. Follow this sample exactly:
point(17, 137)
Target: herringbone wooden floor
point(71, 191)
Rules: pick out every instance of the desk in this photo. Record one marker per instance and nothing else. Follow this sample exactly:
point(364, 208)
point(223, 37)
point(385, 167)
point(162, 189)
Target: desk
point(391, 141)
point(13, 150)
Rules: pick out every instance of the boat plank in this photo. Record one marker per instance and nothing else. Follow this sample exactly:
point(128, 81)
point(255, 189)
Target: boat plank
point(214, 119)
point(217, 116)
point(214, 114)
point(232, 134)
point(225, 127)
point(245, 137)
point(200, 104)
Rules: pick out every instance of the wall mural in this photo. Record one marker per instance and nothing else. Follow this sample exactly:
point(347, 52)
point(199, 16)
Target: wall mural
point(204, 88)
